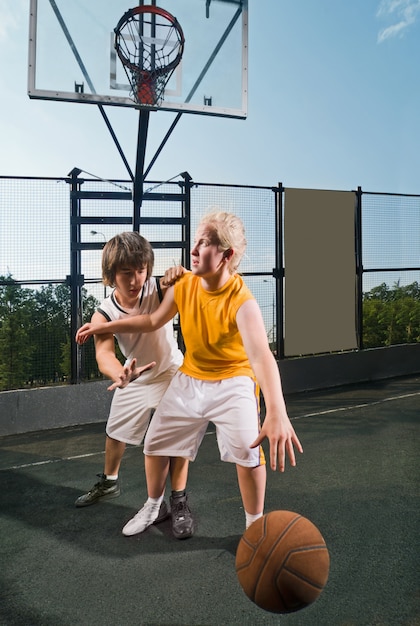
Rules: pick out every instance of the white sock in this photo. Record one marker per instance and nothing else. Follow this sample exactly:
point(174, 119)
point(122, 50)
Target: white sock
point(144, 517)
point(155, 502)
point(111, 476)
point(249, 519)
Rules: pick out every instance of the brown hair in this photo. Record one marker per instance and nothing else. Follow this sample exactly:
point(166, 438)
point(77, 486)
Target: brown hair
point(126, 250)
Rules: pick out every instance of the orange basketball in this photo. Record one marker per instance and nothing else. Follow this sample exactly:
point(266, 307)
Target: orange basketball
point(282, 562)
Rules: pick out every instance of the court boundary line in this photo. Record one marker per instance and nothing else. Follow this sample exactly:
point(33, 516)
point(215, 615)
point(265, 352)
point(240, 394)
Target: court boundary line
point(357, 406)
point(297, 417)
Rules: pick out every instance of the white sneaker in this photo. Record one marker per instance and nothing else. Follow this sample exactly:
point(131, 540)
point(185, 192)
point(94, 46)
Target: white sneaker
point(148, 515)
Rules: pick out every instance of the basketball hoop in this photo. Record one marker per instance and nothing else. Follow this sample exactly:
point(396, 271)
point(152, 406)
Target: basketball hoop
point(149, 42)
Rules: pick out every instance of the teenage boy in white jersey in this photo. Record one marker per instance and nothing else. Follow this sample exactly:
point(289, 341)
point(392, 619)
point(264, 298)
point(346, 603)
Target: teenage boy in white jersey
point(152, 359)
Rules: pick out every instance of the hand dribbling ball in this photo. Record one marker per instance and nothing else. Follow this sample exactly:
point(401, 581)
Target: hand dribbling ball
point(282, 562)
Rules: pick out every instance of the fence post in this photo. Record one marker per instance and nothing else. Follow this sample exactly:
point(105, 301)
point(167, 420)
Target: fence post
point(278, 271)
point(186, 186)
point(76, 278)
point(359, 269)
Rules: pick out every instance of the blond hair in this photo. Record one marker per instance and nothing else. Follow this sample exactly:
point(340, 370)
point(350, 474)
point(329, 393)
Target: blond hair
point(229, 232)
point(126, 250)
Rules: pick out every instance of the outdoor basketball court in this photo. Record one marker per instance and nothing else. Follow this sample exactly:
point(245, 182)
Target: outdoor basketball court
point(358, 481)
point(358, 478)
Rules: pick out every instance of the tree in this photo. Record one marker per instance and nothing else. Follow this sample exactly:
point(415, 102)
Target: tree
point(16, 348)
point(90, 367)
point(391, 315)
point(50, 329)
point(35, 342)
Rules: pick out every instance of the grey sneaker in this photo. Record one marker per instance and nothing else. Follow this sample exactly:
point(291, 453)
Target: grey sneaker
point(103, 490)
point(182, 519)
point(147, 516)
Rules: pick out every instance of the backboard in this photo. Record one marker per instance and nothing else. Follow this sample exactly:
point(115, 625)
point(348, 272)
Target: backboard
point(72, 56)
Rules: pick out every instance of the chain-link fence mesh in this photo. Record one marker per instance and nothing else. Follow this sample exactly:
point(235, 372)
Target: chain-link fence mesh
point(35, 264)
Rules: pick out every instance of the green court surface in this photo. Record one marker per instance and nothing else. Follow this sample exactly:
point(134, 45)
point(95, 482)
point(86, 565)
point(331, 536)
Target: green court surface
point(358, 481)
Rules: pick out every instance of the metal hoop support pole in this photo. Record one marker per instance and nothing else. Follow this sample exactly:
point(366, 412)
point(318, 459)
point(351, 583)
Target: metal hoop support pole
point(139, 175)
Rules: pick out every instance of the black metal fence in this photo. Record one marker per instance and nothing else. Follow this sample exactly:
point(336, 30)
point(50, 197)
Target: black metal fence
point(52, 231)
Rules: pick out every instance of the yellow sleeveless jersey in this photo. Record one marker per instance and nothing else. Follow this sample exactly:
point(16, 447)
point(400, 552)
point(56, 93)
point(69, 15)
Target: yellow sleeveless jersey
point(214, 348)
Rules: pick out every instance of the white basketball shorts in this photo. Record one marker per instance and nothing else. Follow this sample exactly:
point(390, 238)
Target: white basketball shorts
point(132, 407)
point(181, 419)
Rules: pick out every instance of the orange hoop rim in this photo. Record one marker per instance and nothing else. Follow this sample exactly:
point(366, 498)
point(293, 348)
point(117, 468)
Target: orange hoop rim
point(144, 9)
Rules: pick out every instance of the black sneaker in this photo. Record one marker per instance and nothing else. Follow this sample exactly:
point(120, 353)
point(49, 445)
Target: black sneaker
point(103, 490)
point(182, 520)
point(163, 513)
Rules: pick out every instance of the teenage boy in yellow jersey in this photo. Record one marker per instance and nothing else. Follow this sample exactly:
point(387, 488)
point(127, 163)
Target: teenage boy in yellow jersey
point(227, 358)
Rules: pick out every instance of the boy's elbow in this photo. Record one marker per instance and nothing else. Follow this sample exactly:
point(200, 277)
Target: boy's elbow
point(153, 325)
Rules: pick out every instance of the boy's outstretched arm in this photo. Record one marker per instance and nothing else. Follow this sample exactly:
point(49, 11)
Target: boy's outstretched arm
point(137, 323)
point(108, 363)
point(277, 426)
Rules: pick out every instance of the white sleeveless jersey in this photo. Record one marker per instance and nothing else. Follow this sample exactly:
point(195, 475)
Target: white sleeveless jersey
point(159, 345)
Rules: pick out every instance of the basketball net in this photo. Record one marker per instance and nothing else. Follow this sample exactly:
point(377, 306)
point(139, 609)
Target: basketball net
point(149, 42)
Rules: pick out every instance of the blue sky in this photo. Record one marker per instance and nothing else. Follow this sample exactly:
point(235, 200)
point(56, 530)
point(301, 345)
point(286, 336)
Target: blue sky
point(334, 102)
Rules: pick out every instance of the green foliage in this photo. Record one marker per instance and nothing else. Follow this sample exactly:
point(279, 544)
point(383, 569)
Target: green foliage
point(391, 315)
point(16, 349)
point(35, 342)
point(89, 366)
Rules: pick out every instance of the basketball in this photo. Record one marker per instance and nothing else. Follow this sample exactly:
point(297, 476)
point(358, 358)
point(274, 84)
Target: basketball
point(282, 562)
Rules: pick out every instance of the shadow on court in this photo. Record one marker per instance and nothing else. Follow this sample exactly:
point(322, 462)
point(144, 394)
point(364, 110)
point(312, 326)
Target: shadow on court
point(358, 481)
